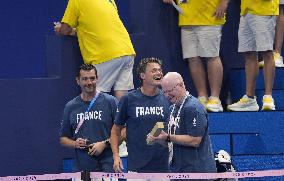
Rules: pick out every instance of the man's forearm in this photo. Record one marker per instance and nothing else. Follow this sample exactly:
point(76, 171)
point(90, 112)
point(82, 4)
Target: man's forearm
point(65, 141)
point(114, 139)
point(185, 140)
point(122, 135)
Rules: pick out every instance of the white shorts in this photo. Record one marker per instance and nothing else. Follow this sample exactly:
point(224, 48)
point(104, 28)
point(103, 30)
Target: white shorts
point(116, 73)
point(256, 33)
point(201, 41)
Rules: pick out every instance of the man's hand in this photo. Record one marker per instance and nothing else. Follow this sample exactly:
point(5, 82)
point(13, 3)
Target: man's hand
point(96, 148)
point(159, 139)
point(221, 9)
point(80, 143)
point(57, 26)
point(117, 164)
point(64, 29)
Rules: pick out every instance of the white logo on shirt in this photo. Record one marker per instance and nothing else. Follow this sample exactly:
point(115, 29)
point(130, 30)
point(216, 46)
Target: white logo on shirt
point(89, 115)
point(143, 111)
point(194, 122)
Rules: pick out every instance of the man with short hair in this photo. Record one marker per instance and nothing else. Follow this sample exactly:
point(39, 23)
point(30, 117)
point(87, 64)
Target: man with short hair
point(103, 41)
point(188, 135)
point(139, 111)
point(87, 122)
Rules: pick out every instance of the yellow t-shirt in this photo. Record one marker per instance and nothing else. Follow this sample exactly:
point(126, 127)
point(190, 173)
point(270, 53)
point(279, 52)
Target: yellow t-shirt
point(260, 7)
point(199, 12)
point(101, 34)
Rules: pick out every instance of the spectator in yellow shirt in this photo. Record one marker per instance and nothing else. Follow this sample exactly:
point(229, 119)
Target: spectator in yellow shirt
point(201, 30)
point(103, 40)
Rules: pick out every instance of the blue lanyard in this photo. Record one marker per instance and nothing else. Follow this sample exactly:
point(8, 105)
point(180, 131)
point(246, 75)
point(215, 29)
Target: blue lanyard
point(93, 101)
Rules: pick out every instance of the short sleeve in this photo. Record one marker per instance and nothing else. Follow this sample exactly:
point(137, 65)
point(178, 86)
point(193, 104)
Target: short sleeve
point(114, 108)
point(71, 14)
point(195, 121)
point(66, 130)
point(121, 115)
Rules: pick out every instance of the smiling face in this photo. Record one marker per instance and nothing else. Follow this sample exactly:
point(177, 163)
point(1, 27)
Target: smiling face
point(170, 91)
point(173, 87)
point(87, 81)
point(153, 74)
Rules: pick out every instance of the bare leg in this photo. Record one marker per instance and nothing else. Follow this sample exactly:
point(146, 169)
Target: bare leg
point(251, 68)
point(215, 75)
point(268, 71)
point(279, 32)
point(119, 93)
point(198, 75)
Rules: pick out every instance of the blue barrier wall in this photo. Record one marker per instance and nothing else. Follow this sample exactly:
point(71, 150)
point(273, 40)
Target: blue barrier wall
point(24, 25)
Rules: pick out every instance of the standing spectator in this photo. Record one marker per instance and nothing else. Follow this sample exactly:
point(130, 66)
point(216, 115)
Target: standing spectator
point(103, 41)
point(201, 29)
point(256, 34)
point(87, 123)
point(188, 134)
point(279, 35)
point(139, 111)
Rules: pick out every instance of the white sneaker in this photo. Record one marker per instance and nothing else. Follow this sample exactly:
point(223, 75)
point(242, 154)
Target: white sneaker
point(277, 58)
point(123, 149)
point(203, 100)
point(268, 103)
point(244, 104)
point(214, 105)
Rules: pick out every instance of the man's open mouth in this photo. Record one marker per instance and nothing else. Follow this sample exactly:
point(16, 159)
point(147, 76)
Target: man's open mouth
point(157, 78)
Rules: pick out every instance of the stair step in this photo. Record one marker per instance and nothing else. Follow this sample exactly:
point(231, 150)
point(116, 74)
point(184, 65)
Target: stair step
point(247, 132)
point(237, 86)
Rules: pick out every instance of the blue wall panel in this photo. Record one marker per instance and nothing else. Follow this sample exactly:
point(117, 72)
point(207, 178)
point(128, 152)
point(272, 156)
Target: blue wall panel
point(220, 142)
point(253, 132)
point(31, 112)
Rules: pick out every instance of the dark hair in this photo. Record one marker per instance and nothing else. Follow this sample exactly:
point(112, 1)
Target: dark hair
point(141, 68)
point(86, 67)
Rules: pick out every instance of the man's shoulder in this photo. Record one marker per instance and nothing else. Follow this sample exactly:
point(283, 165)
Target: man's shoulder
point(73, 101)
point(194, 105)
point(132, 94)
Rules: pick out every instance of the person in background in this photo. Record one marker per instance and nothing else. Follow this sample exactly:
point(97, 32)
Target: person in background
point(201, 30)
point(279, 35)
point(103, 41)
point(256, 35)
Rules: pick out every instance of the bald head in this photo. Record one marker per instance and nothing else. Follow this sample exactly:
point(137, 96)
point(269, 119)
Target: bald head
point(171, 79)
point(173, 87)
